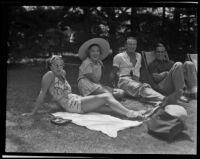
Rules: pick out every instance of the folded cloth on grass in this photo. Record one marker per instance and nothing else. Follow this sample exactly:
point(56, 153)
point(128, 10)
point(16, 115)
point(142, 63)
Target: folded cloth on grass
point(107, 124)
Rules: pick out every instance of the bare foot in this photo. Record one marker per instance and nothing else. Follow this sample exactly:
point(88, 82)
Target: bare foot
point(136, 115)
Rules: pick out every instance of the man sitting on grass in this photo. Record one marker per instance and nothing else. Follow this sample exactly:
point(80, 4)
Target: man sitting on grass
point(171, 76)
point(126, 66)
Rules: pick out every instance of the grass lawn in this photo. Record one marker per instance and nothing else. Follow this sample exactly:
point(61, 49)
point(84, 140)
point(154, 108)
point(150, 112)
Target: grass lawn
point(37, 134)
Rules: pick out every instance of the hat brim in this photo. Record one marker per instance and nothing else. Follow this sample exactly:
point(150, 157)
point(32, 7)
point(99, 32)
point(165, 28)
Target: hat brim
point(177, 111)
point(104, 45)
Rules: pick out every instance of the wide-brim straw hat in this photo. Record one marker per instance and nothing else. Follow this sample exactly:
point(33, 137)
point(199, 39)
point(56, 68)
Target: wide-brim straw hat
point(176, 111)
point(104, 46)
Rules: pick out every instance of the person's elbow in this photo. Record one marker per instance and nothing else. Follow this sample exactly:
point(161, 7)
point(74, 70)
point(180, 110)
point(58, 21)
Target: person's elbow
point(95, 80)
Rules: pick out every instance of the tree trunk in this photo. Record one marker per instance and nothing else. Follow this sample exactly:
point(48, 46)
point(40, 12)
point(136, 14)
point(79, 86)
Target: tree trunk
point(175, 28)
point(112, 39)
point(134, 26)
point(163, 23)
point(86, 24)
point(112, 23)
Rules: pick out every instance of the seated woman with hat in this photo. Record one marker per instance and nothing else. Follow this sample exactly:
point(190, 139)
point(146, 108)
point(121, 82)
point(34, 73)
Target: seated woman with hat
point(92, 52)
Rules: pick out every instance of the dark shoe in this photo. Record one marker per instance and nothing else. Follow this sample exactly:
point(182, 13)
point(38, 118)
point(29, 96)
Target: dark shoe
point(191, 95)
point(150, 112)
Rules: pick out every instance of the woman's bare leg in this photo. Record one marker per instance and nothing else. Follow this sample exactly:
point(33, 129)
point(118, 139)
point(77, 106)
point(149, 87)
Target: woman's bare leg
point(106, 89)
point(100, 91)
point(93, 102)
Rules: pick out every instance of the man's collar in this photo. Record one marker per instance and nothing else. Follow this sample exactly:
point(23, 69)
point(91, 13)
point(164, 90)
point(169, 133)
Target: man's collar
point(133, 53)
point(129, 56)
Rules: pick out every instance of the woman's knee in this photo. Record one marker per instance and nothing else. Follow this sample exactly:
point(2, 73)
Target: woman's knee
point(106, 96)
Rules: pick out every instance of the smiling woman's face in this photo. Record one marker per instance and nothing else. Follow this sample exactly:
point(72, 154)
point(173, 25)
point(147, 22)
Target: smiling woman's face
point(57, 66)
point(94, 52)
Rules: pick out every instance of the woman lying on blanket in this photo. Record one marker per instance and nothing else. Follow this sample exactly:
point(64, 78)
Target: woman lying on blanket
point(55, 83)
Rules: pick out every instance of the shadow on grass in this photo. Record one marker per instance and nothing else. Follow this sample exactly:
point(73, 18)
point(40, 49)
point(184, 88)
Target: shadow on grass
point(179, 137)
point(183, 136)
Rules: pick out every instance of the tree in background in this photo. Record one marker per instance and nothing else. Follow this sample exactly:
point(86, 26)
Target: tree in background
point(43, 30)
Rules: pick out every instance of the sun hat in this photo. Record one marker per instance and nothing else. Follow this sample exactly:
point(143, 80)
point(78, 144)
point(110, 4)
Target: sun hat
point(104, 45)
point(176, 111)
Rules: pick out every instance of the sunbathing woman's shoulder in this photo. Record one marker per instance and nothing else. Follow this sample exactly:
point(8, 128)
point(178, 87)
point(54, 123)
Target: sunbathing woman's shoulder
point(64, 72)
point(48, 76)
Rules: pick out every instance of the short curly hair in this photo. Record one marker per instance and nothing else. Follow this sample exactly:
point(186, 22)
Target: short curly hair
point(50, 60)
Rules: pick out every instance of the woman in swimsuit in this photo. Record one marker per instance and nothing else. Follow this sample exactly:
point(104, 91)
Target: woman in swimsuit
point(55, 83)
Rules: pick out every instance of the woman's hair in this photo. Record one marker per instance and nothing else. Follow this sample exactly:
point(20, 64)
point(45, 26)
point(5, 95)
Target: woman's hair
point(50, 60)
point(88, 50)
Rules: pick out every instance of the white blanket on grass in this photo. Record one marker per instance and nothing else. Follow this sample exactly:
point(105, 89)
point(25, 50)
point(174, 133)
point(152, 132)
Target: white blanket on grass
point(107, 124)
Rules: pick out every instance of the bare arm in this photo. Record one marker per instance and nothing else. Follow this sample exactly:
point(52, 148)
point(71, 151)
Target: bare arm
point(87, 69)
point(159, 76)
point(153, 68)
point(45, 84)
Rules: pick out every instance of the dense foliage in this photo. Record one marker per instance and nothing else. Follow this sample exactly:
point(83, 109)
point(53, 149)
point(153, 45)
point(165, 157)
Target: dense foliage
point(37, 31)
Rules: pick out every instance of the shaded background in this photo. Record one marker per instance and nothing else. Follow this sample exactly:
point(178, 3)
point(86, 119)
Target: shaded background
point(39, 31)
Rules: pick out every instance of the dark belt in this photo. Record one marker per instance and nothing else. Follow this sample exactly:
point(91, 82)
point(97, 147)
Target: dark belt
point(125, 76)
point(130, 76)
